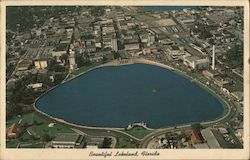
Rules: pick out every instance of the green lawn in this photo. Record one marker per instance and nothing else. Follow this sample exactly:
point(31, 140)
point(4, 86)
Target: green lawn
point(125, 143)
point(97, 132)
point(25, 137)
point(38, 125)
point(40, 128)
point(51, 131)
point(28, 118)
point(138, 132)
point(32, 145)
point(12, 143)
point(82, 69)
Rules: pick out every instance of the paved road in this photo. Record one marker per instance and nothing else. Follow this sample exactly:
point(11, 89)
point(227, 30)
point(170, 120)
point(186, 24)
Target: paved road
point(158, 132)
point(144, 143)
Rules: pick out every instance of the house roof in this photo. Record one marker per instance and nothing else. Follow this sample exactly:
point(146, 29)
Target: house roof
point(13, 128)
point(25, 63)
point(196, 136)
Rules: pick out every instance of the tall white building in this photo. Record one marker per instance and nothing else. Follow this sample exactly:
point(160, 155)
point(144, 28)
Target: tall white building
point(40, 64)
point(114, 44)
point(213, 60)
point(72, 61)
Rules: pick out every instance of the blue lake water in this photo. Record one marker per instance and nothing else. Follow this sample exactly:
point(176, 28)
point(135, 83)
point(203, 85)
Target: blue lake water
point(117, 96)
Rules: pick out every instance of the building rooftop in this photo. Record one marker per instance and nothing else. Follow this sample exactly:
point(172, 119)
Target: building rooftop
point(196, 136)
point(61, 47)
point(175, 48)
point(13, 128)
point(201, 146)
point(95, 142)
point(67, 137)
point(219, 138)
point(213, 72)
point(210, 138)
point(193, 58)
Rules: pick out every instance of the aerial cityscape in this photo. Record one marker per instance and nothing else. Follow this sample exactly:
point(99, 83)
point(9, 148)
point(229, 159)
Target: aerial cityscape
point(158, 77)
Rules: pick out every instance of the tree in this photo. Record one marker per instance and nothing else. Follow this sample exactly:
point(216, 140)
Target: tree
point(196, 126)
point(117, 55)
point(106, 142)
point(46, 138)
point(59, 68)
point(234, 56)
point(105, 59)
point(204, 34)
point(10, 110)
point(97, 11)
point(64, 58)
point(88, 36)
point(51, 64)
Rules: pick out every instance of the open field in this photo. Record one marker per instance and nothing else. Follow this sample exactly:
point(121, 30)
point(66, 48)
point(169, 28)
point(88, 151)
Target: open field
point(125, 143)
point(138, 132)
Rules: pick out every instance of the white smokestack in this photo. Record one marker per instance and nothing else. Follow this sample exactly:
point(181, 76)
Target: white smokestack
point(213, 61)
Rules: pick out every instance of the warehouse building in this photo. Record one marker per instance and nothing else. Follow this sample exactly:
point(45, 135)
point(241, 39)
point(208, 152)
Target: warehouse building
point(196, 62)
point(68, 140)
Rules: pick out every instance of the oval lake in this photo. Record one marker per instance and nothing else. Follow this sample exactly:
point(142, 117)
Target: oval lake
point(117, 96)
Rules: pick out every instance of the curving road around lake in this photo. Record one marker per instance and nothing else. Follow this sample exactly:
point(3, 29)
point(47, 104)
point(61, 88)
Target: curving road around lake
point(144, 142)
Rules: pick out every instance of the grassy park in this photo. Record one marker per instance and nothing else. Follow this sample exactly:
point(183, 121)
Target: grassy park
point(82, 70)
point(123, 142)
point(41, 133)
point(35, 131)
point(138, 132)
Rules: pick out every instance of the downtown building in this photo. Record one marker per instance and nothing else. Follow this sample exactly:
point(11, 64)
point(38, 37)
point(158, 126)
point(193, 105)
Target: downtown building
point(196, 62)
point(72, 60)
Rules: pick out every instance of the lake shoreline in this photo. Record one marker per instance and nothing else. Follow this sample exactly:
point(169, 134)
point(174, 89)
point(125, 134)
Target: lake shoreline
point(129, 62)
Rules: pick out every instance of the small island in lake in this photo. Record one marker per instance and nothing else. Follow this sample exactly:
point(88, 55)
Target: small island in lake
point(156, 89)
